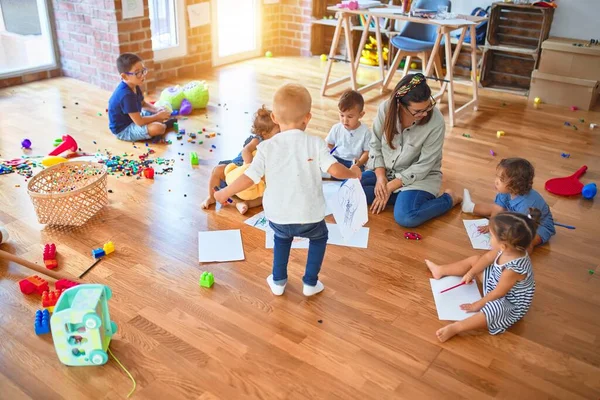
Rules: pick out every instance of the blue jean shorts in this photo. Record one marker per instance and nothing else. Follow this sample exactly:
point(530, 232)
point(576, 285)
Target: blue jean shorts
point(135, 133)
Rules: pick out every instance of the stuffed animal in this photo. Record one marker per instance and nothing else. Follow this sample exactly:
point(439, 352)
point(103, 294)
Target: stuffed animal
point(195, 92)
point(232, 172)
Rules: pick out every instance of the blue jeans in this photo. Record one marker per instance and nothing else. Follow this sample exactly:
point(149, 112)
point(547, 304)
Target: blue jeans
point(411, 207)
point(284, 235)
point(347, 164)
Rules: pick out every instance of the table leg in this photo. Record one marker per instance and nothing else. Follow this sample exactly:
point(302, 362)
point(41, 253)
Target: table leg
point(379, 47)
point(350, 49)
point(449, 77)
point(456, 53)
point(334, 44)
point(363, 41)
point(474, 68)
point(434, 51)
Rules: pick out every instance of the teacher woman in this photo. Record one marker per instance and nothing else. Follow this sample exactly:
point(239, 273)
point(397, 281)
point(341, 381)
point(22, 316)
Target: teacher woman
point(405, 158)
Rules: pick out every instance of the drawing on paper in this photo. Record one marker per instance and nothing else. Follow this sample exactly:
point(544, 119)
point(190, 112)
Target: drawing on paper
point(481, 241)
point(349, 207)
point(348, 199)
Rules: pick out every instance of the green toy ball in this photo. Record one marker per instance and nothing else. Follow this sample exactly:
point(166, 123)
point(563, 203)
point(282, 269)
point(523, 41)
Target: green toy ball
point(173, 95)
point(197, 93)
point(268, 54)
point(323, 57)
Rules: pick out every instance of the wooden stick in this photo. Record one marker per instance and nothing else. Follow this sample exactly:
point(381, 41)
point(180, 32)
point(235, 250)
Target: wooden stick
point(90, 268)
point(334, 44)
point(28, 264)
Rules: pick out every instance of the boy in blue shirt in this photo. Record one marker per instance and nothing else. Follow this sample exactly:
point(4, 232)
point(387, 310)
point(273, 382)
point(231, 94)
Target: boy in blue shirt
point(130, 117)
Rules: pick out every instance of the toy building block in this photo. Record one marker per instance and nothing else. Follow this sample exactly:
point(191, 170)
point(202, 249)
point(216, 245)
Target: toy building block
point(64, 284)
point(50, 298)
point(42, 322)
point(207, 279)
point(50, 251)
point(51, 264)
point(33, 284)
point(108, 247)
point(194, 158)
point(98, 253)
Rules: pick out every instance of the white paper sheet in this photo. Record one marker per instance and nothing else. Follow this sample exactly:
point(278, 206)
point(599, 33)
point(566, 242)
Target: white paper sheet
point(297, 243)
point(479, 241)
point(349, 207)
point(448, 303)
point(454, 22)
point(330, 189)
point(199, 14)
point(133, 8)
point(258, 221)
point(220, 246)
point(359, 239)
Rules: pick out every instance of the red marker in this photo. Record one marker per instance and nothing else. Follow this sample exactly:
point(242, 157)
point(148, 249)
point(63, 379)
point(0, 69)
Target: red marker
point(453, 287)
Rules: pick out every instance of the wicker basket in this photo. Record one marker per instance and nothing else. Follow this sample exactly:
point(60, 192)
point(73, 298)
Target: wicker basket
point(69, 193)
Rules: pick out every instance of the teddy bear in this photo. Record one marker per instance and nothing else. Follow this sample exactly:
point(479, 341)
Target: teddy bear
point(232, 172)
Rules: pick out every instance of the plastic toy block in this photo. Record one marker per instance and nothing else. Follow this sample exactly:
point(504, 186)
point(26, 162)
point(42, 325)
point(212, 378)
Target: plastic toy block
point(499, 134)
point(50, 298)
point(51, 264)
point(98, 253)
point(207, 279)
point(192, 135)
point(194, 158)
point(109, 247)
point(64, 284)
point(50, 252)
point(33, 284)
point(42, 322)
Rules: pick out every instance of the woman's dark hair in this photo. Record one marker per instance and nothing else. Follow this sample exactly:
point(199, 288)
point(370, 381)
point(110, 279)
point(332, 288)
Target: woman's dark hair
point(517, 174)
point(416, 94)
point(518, 230)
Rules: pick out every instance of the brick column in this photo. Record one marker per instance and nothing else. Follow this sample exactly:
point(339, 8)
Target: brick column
point(295, 29)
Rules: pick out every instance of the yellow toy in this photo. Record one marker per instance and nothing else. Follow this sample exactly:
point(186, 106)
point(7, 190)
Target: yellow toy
point(49, 161)
point(232, 172)
point(369, 54)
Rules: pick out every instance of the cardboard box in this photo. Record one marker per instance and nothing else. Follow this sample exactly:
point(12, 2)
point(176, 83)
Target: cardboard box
point(560, 57)
point(564, 91)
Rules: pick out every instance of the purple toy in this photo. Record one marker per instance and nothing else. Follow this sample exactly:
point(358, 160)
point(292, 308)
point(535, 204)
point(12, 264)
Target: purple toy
point(26, 144)
point(186, 107)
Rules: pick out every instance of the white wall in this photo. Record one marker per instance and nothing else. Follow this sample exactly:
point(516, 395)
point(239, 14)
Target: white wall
point(576, 19)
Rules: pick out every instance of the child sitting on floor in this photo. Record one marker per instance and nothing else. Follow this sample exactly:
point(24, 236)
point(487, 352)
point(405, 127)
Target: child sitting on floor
point(350, 137)
point(263, 128)
point(514, 180)
point(505, 272)
point(130, 117)
point(294, 204)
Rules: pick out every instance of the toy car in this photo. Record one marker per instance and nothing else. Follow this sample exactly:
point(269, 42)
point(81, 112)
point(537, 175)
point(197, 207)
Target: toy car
point(81, 325)
point(412, 236)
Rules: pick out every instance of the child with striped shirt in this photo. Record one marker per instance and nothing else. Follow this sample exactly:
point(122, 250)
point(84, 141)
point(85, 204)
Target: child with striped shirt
point(505, 273)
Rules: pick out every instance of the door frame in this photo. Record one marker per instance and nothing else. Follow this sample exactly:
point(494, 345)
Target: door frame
point(216, 60)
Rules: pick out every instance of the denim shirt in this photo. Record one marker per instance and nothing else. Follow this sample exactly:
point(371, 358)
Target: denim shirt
point(417, 157)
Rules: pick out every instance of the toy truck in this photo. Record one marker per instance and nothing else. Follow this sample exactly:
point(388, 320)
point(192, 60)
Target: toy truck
point(81, 325)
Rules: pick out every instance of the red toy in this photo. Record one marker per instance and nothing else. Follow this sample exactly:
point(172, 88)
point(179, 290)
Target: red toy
point(68, 143)
point(64, 284)
point(51, 264)
point(568, 185)
point(412, 236)
point(50, 298)
point(50, 251)
point(33, 284)
point(148, 173)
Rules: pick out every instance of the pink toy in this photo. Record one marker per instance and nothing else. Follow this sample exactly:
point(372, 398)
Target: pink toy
point(68, 143)
point(574, 108)
point(350, 5)
point(186, 107)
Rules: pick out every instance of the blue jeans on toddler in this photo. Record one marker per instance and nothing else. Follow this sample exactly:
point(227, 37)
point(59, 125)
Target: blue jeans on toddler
point(317, 233)
point(411, 207)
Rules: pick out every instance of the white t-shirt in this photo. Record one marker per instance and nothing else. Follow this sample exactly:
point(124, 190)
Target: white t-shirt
point(291, 163)
point(350, 144)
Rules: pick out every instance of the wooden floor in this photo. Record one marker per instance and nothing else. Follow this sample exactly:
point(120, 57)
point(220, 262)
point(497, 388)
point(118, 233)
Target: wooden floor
point(369, 335)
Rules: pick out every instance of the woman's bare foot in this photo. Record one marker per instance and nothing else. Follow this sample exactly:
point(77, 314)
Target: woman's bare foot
point(207, 202)
point(435, 269)
point(456, 199)
point(242, 207)
point(447, 332)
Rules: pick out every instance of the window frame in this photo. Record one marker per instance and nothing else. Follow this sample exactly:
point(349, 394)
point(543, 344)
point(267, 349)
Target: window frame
point(180, 50)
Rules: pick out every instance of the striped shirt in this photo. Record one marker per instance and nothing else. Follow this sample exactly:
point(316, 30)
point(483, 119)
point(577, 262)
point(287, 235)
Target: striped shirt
point(502, 313)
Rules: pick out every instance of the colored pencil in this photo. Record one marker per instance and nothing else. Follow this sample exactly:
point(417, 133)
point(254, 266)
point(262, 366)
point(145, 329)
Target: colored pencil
point(228, 200)
point(332, 150)
point(453, 287)
point(89, 269)
point(564, 226)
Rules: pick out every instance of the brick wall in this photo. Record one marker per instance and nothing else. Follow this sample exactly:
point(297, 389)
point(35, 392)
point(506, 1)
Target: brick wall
point(271, 29)
point(295, 27)
point(34, 76)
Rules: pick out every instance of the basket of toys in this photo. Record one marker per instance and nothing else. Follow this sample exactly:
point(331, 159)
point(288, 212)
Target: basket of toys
point(69, 193)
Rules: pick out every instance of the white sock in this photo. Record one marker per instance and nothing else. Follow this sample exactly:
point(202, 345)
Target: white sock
point(312, 290)
point(467, 204)
point(3, 235)
point(275, 288)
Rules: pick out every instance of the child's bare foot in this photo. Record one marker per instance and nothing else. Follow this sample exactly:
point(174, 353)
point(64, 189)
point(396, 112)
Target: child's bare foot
point(447, 332)
point(456, 199)
point(207, 202)
point(435, 269)
point(242, 207)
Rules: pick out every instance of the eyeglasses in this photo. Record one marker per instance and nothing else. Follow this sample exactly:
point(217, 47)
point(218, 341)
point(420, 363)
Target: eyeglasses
point(139, 73)
point(425, 111)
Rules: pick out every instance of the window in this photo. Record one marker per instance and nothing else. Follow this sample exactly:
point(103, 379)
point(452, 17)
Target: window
point(167, 22)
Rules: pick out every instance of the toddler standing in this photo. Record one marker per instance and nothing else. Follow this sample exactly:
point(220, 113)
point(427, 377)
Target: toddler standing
point(505, 273)
point(291, 163)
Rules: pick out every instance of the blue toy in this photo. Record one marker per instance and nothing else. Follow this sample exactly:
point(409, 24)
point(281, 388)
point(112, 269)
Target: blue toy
point(81, 325)
point(42, 322)
point(589, 191)
point(98, 253)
